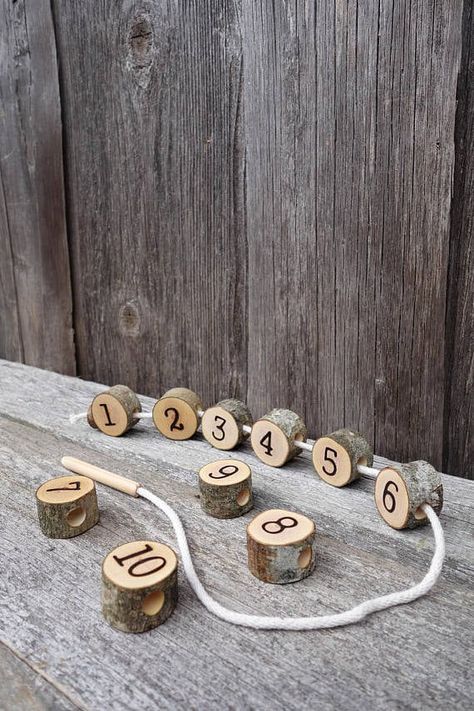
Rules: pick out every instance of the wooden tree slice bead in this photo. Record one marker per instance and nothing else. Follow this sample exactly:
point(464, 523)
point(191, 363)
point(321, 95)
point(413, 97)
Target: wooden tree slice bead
point(280, 546)
point(176, 413)
point(336, 456)
point(67, 506)
point(139, 585)
point(401, 489)
point(222, 425)
point(113, 411)
point(226, 488)
point(273, 436)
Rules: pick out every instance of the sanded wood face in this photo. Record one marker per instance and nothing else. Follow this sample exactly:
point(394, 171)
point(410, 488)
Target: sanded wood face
point(175, 418)
point(331, 461)
point(64, 489)
point(391, 498)
point(109, 415)
point(269, 443)
point(139, 564)
point(220, 428)
point(278, 527)
point(225, 472)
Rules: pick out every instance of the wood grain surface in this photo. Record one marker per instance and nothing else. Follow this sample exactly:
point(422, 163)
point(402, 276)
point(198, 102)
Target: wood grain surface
point(258, 206)
point(415, 656)
point(459, 411)
point(35, 290)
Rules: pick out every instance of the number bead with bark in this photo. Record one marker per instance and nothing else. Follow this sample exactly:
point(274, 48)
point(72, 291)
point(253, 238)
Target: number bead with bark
point(336, 456)
point(273, 436)
point(226, 488)
point(222, 425)
point(139, 585)
point(67, 506)
point(401, 489)
point(280, 546)
point(113, 411)
point(176, 413)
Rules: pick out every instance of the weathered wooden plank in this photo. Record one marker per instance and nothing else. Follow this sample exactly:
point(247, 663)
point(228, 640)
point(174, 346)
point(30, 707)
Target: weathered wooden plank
point(35, 292)
point(152, 118)
point(459, 412)
point(25, 689)
point(349, 112)
point(195, 656)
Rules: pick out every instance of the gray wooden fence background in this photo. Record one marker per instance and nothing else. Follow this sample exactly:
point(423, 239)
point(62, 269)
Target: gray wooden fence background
point(266, 200)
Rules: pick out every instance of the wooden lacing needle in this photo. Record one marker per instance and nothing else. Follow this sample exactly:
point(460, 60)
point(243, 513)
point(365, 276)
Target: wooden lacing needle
point(103, 476)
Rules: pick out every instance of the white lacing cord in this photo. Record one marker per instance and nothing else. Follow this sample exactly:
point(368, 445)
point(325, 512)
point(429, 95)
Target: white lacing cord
point(302, 623)
point(77, 417)
point(83, 415)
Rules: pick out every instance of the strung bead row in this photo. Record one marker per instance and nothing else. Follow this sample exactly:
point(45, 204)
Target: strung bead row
point(338, 458)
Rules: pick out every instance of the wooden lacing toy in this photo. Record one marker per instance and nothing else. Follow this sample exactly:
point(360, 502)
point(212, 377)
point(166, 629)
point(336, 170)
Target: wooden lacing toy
point(339, 458)
point(139, 579)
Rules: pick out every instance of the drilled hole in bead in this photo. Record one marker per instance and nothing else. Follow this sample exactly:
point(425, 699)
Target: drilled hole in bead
point(76, 516)
point(153, 603)
point(362, 461)
point(243, 497)
point(420, 514)
point(304, 558)
point(299, 437)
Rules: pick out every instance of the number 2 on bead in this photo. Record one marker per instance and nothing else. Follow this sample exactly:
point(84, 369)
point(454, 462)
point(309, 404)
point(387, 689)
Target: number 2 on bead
point(176, 424)
point(328, 459)
point(386, 493)
point(220, 427)
point(266, 443)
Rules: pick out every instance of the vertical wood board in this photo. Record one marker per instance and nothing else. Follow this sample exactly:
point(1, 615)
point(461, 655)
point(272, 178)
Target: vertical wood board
point(35, 292)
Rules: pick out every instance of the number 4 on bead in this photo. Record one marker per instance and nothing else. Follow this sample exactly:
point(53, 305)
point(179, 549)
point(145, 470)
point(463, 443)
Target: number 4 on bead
point(266, 443)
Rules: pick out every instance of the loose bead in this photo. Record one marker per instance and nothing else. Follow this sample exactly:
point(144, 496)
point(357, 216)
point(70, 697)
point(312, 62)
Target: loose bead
point(67, 506)
point(226, 488)
point(139, 585)
point(280, 546)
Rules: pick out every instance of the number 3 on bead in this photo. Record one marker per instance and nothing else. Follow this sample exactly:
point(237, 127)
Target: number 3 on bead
point(328, 459)
point(266, 443)
point(220, 427)
point(389, 494)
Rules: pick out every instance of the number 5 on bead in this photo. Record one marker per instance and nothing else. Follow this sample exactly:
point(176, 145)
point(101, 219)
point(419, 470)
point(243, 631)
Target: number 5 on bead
point(332, 462)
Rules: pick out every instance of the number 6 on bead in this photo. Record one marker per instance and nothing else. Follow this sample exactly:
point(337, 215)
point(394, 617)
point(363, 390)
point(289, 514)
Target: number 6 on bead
point(386, 494)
